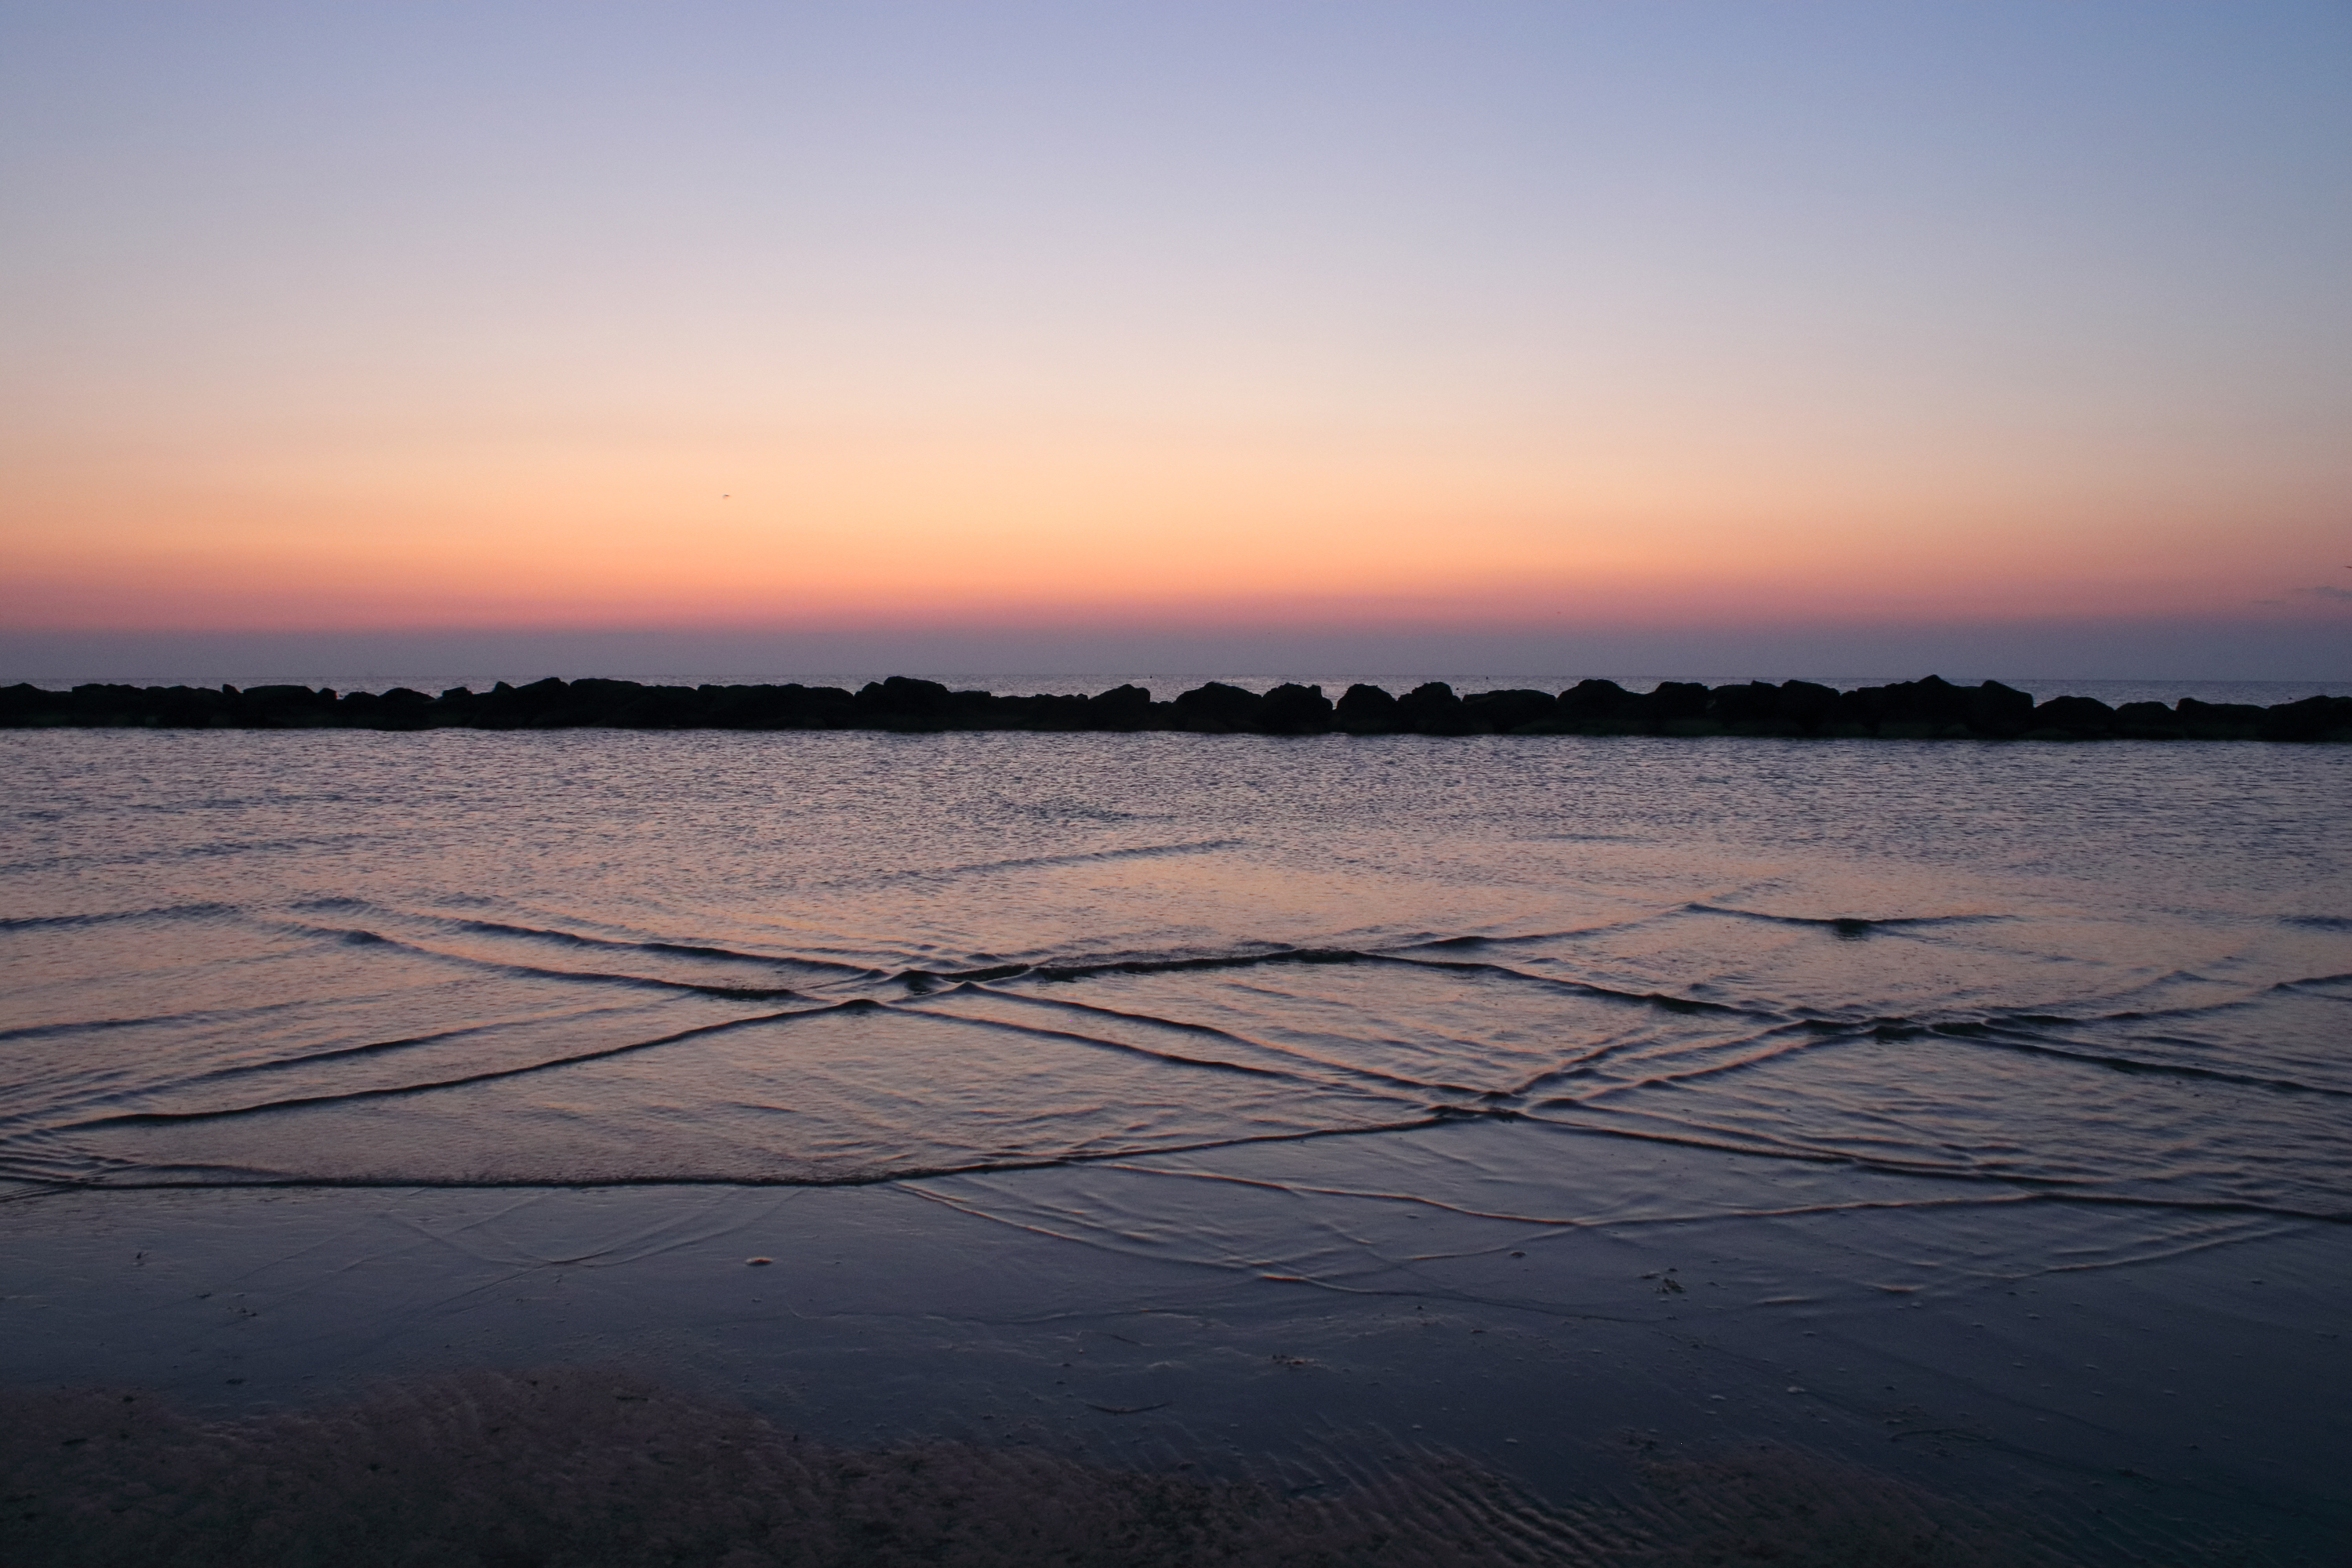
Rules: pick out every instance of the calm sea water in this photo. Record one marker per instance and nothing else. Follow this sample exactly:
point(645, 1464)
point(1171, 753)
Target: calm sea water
point(1832, 1028)
point(2113, 974)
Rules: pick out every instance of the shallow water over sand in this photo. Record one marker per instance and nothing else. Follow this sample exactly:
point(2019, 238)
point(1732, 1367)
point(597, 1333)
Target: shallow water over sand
point(1758, 1065)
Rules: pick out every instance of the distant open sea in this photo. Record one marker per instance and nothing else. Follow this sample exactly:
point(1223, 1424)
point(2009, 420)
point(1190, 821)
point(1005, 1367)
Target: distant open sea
point(1978, 1114)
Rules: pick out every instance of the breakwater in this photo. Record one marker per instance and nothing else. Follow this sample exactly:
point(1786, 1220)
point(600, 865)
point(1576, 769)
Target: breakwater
point(1928, 709)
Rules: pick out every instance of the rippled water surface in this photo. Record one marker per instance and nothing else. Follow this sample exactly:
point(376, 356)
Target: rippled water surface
point(1380, 1013)
point(2113, 974)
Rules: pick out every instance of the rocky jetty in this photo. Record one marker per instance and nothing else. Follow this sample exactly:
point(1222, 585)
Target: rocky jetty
point(1928, 710)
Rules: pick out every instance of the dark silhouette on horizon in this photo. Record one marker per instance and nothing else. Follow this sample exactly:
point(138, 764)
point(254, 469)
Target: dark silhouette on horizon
point(1929, 709)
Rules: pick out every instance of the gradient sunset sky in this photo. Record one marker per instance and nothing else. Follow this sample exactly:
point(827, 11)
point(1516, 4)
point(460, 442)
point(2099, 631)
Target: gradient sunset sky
point(1470, 317)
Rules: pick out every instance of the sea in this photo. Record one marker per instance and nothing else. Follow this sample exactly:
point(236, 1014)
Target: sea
point(1973, 1117)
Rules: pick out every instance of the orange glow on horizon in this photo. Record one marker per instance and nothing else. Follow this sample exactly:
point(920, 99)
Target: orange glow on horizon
point(869, 529)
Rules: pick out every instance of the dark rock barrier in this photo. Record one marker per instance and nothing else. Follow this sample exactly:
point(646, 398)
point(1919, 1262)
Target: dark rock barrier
point(1928, 710)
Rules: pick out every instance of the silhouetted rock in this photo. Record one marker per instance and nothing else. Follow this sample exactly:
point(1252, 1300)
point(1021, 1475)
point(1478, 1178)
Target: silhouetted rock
point(1294, 710)
point(1751, 710)
point(1761, 708)
point(1509, 710)
point(1804, 707)
point(903, 701)
point(1927, 709)
point(1679, 707)
point(2217, 721)
point(1924, 709)
point(1120, 708)
point(647, 707)
point(739, 706)
point(543, 704)
point(1366, 711)
point(1037, 712)
point(1601, 708)
point(1431, 709)
point(264, 707)
point(799, 707)
point(2147, 721)
point(398, 708)
point(2313, 719)
point(1216, 709)
point(2072, 718)
point(1995, 710)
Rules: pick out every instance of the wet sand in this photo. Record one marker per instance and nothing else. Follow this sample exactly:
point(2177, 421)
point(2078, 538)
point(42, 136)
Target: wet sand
point(2143, 1406)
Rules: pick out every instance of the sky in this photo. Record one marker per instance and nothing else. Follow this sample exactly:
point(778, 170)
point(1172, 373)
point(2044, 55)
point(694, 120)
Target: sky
point(1548, 330)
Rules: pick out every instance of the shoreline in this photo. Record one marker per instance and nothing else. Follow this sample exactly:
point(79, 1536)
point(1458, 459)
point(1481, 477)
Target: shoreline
point(1924, 709)
point(949, 1318)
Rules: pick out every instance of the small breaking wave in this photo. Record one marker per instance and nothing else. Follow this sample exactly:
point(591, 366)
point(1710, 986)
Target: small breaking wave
point(349, 1097)
point(1034, 862)
point(1852, 925)
point(116, 917)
